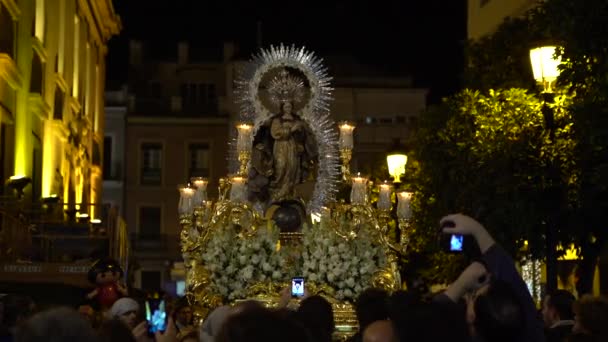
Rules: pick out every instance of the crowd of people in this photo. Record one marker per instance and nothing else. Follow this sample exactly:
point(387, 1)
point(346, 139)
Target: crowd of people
point(488, 302)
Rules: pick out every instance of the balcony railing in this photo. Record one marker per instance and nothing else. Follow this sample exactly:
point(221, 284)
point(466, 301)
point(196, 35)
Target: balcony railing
point(57, 233)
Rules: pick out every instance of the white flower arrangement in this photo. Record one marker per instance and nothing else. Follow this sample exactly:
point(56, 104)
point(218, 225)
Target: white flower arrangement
point(345, 265)
point(236, 263)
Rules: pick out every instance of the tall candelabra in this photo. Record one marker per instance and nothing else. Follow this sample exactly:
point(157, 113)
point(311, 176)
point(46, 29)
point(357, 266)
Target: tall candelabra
point(404, 215)
point(243, 147)
point(346, 148)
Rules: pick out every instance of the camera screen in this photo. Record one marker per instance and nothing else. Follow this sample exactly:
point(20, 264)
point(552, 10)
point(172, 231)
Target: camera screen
point(456, 242)
point(297, 287)
point(156, 316)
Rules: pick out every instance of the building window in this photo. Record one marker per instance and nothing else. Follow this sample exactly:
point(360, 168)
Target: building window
point(198, 160)
point(149, 222)
point(154, 90)
point(7, 33)
point(199, 94)
point(151, 163)
point(151, 280)
point(37, 79)
point(107, 158)
point(58, 106)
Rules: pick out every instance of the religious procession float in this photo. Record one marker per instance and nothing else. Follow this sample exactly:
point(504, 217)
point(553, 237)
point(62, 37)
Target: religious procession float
point(277, 216)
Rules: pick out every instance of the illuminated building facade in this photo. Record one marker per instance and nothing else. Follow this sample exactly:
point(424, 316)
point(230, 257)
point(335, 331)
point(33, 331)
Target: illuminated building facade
point(484, 16)
point(52, 77)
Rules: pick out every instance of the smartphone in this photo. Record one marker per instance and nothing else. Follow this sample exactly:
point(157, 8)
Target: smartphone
point(297, 287)
point(156, 315)
point(451, 243)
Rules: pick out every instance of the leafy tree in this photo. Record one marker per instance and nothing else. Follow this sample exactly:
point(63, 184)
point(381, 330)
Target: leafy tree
point(501, 61)
point(487, 154)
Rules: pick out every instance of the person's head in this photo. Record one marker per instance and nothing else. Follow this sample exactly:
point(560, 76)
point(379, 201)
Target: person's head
point(287, 107)
point(557, 307)
point(114, 330)
point(261, 326)
point(371, 306)
point(212, 325)
point(431, 322)
point(56, 325)
point(317, 315)
point(105, 271)
point(380, 331)
point(496, 313)
point(16, 309)
point(183, 314)
point(591, 316)
point(126, 309)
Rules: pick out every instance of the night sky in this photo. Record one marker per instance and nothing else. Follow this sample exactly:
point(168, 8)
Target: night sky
point(423, 39)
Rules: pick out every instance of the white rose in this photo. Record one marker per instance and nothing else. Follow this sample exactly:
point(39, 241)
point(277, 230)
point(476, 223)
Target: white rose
point(276, 275)
point(266, 267)
point(350, 282)
point(313, 277)
point(243, 259)
point(331, 277)
point(348, 293)
point(255, 259)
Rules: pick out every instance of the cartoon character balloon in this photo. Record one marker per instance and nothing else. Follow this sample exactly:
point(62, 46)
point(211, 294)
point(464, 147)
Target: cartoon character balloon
point(106, 275)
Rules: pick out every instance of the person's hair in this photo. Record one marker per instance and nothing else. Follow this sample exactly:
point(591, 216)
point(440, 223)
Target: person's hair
point(317, 316)
point(114, 330)
point(56, 325)
point(498, 314)
point(190, 333)
point(432, 322)
point(562, 301)
point(15, 307)
point(592, 314)
point(261, 325)
point(371, 306)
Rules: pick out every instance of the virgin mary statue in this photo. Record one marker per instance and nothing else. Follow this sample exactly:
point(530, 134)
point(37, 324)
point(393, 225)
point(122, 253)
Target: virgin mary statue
point(284, 150)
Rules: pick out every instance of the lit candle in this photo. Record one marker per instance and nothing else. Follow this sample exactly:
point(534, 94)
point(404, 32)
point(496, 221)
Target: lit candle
point(200, 196)
point(404, 211)
point(358, 194)
point(384, 198)
point(244, 141)
point(346, 136)
point(185, 199)
point(237, 189)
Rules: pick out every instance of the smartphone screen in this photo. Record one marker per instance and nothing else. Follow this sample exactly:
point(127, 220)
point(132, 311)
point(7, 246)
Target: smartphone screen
point(297, 287)
point(156, 315)
point(456, 243)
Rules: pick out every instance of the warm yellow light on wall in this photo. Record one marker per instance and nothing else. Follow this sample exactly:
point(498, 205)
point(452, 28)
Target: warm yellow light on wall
point(48, 161)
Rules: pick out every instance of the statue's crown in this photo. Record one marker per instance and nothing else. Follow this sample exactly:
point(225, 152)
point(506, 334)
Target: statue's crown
point(285, 88)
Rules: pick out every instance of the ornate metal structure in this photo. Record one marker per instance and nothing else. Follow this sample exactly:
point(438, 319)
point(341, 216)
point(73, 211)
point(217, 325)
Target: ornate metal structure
point(202, 220)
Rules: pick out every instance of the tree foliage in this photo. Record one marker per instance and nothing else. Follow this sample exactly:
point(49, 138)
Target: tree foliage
point(490, 152)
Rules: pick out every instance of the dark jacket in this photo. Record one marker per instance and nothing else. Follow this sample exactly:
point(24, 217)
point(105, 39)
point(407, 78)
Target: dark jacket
point(501, 266)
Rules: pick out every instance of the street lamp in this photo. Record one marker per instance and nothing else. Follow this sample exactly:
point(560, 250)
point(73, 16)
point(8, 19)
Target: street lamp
point(396, 158)
point(545, 67)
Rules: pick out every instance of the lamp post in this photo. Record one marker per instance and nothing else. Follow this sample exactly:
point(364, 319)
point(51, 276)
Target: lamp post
point(545, 67)
point(396, 158)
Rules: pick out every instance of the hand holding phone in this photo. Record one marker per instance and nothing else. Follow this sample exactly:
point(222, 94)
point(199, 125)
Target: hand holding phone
point(156, 315)
point(297, 287)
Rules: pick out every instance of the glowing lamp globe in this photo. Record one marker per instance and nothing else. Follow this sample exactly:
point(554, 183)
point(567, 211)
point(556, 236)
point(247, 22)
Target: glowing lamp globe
point(396, 165)
point(545, 65)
